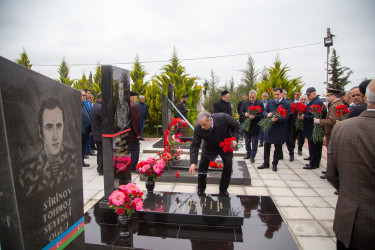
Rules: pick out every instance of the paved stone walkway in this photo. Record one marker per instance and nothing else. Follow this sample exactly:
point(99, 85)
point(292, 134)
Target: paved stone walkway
point(306, 202)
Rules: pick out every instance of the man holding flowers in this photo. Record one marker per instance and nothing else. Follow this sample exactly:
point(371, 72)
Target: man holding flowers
point(315, 147)
point(278, 111)
point(252, 109)
point(214, 130)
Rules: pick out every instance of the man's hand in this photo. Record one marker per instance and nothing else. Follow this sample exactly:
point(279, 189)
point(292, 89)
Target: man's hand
point(247, 114)
point(252, 116)
point(192, 168)
point(274, 119)
point(301, 117)
point(316, 121)
point(270, 114)
point(234, 143)
point(188, 110)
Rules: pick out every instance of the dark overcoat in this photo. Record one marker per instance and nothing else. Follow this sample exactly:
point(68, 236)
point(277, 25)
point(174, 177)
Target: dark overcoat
point(351, 170)
point(96, 121)
point(225, 126)
point(222, 107)
point(357, 110)
point(308, 120)
point(277, 134)
point(254, 127)
point(181, 106)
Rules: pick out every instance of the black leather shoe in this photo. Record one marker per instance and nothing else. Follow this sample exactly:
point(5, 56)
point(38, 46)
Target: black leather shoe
point(299, 152)
point(308, 166)
point(274, 168)
point(323, 177)
point(291, 158)
point(307, 159)
point(247, 157)
point(224, 193)
point(324, 172)
point(336, 192)
point(252, 160)
point(100, 173)
point(201, 193)
point(141, 139)
point(264, 166)
point(86, 157)
point(261, 145)
point(85, 165)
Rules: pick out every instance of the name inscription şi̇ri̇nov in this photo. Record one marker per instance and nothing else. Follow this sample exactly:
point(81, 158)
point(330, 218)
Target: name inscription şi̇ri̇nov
point(57, 210)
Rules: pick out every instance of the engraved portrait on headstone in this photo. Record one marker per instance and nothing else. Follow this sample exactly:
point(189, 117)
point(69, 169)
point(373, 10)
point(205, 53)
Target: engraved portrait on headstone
point(122, 109)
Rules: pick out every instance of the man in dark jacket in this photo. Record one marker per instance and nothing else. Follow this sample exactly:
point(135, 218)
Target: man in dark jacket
point(357, 110)
point(252, 135)
point(135, 132)
point(223, 105)
point(181, 106)
point(289, 127)
point(213, 129)
point(315, 149)
point(86, 126)
point(96, 126)
point(242, 118)
point(276, 134)
point(143, 111)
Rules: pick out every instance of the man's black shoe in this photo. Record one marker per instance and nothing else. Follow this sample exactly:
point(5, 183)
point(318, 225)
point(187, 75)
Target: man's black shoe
point(224, 193)
point(100, 173)
point(336, 192)
point(86, 157)
point(324, 172)
point(323, 177)
point(308, 166)
point(264, 166)
point(291, 158)
point(307, 159)
point(142, 139)
point(299, 152)
point(274, 168)
point(281, 158)
point(252, 160)
point(261, 145)
point(91, 153)
point(247, 157)
point(85, 165)
point(201, 193)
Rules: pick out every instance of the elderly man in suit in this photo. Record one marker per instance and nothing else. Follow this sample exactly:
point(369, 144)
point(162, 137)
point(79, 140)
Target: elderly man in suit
point(213, 129)
point(252, 135)
point(351, 170)
point(277, 134)
point(223, 105)
point(357, 110)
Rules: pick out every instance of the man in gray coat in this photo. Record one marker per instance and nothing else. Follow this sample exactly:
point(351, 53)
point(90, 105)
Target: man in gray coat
point(351, 170)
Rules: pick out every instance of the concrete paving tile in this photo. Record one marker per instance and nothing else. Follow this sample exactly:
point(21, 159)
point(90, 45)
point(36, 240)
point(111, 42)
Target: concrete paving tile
point(319, 183)
point(290, 177)
point(306, 228)
point(332, 200)
point(99, 195)
point(236, 190)
point(277, 191)
point(212, 189)
point(261, 191)
point(257, 183)
point(322, 213)
point(90, 193)
point(325, 191)
point(314, 201)
point(269, 176)
point(328, 226)
point(300, 170)
point(285, 171)
point(309, 177)
point(304, 192)
point(296, 184)
point(95, 183)
point(166, 187)
point(185, 188)
point(295, 213)
point(274, 183)
point(287, 201)
point(89, 204)
point(313, 243)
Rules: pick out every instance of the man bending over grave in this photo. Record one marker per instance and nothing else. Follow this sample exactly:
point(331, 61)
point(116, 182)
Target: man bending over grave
point(213, 129)
point(55, 163)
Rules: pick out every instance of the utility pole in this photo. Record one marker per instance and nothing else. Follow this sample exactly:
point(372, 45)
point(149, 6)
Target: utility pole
point(328, 42)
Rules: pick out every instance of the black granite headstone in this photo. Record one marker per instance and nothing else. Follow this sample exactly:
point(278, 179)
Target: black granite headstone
point(116, 110)
point(41, 197)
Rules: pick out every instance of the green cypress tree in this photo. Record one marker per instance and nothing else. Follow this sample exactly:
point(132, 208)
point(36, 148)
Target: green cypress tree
point(64, 73)
point(24, 59)
point(339, 74)
point(137, 75)
point(153, 100)
point(213, 92)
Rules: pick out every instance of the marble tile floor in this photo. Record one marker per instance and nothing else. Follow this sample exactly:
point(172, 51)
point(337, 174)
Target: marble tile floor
point(306, 202)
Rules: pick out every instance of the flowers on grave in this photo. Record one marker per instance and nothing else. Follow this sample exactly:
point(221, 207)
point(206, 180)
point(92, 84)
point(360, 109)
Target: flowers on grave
point(121, 164)
point(177, 123)
point(172, 149)
point(253, 110)
point(342, 112)
point(318, 131)
point(127, 200)
point(267, 122)
point(300, 109)
point(227, 144)
point(151, 168)
point(215, 165)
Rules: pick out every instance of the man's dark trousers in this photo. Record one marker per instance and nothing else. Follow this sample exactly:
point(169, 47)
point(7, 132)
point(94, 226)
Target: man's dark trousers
point(251, 142)
point(276, 153)
point(99, 158)
point(134, 150)
point(85, 142)
point(225, 176)
point(315, 150)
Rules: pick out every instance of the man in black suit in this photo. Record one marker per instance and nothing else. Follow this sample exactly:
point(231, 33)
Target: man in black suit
point(252, 135)
point(242, 118)
point(276, 135)
point(181, 106)
point(223, 105)
point(96, 126)
point(356, 110)
point(213, 129)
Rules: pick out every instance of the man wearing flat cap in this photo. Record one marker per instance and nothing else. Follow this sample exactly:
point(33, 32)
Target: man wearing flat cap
point(223, 105)
point(315, 149)
point(136, 129)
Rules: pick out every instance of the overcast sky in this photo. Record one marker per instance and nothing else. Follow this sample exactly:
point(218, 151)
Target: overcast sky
point(113, 32)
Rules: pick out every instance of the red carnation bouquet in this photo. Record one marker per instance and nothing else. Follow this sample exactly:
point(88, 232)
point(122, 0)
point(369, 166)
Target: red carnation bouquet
point(342, 112)
point(253, 110)
point(227, 144)
point(177, 123)
point(300, 109)
point(267, 122)
point(318, 131)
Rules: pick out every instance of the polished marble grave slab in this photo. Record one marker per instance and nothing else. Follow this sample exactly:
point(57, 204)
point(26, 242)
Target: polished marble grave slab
point(262, 228)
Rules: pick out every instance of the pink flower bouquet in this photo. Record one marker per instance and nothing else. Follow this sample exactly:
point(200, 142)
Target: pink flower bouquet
point(127, 200)
point(151, 168)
